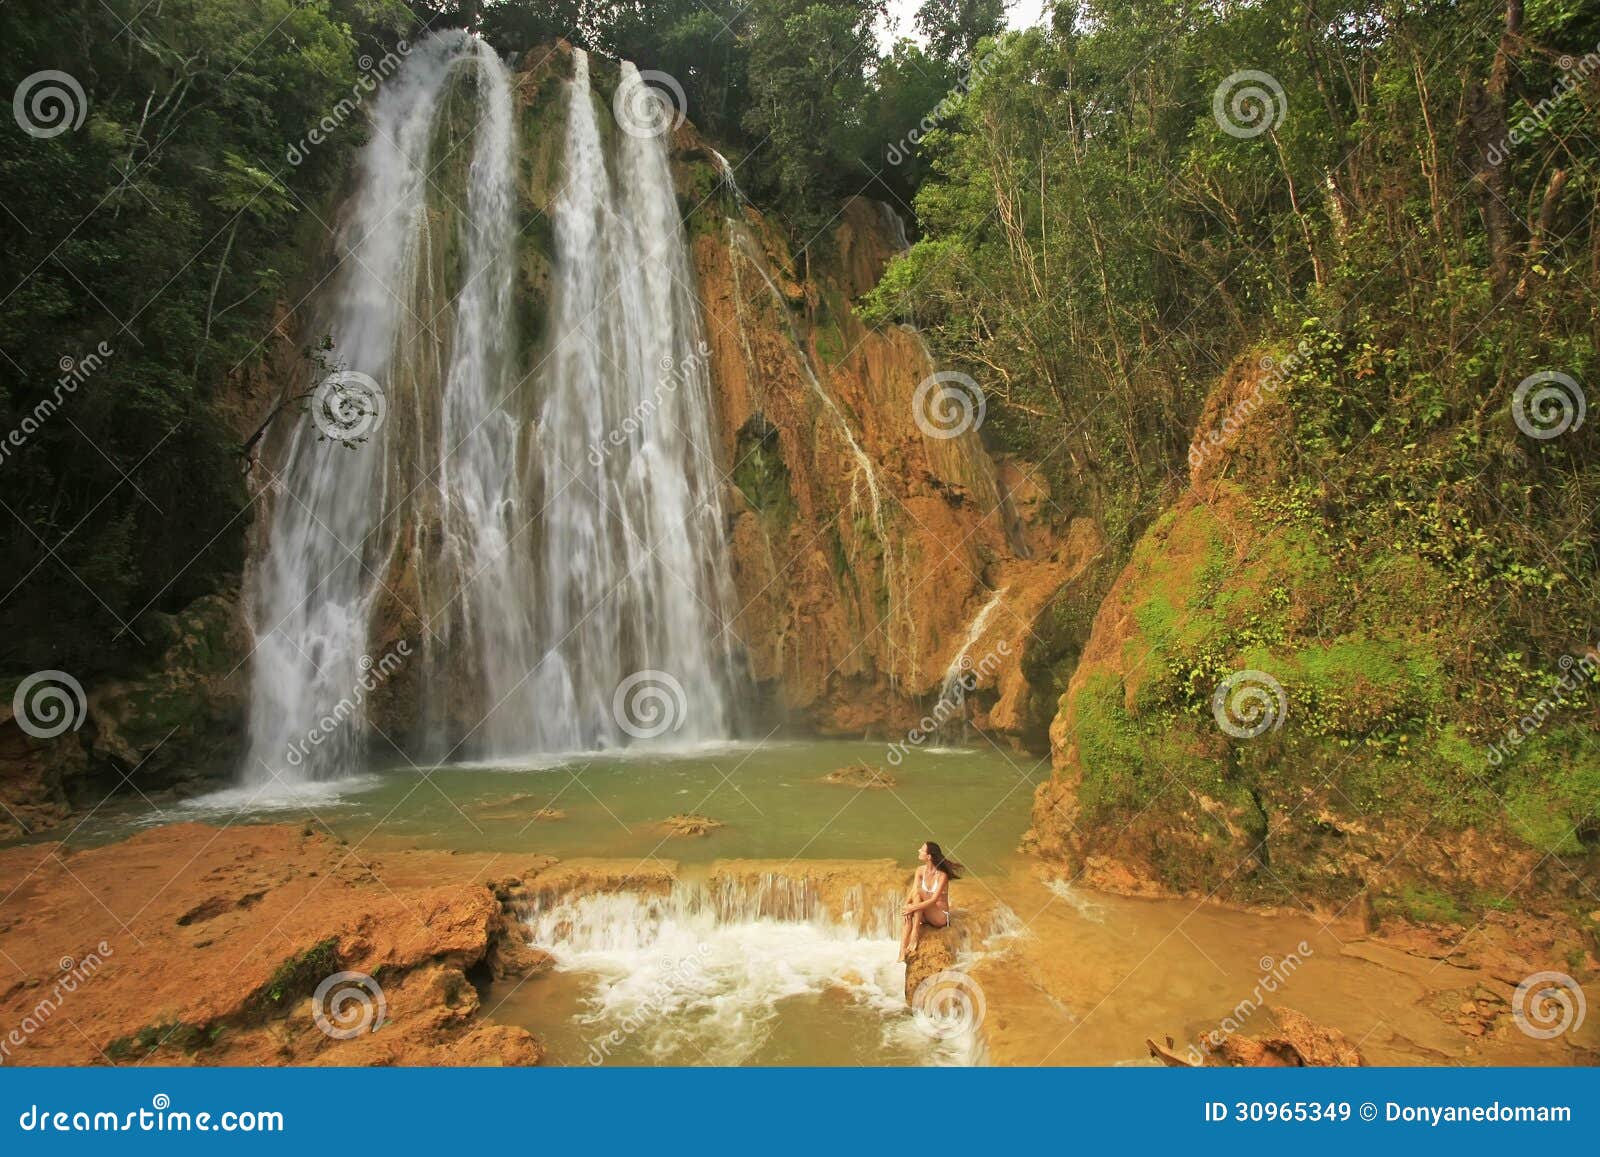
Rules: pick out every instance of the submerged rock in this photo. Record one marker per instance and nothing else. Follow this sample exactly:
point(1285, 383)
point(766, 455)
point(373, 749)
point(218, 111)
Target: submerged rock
point(860, 775)
point(688, 825)
point(1299, 1042)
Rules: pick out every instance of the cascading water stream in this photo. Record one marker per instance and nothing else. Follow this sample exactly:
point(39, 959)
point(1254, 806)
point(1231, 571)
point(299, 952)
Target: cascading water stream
point(634, 573)
point(529, 537)
point(702, 972)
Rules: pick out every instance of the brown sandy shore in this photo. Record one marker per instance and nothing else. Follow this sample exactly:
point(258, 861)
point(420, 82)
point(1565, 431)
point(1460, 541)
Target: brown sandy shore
point(191, 944)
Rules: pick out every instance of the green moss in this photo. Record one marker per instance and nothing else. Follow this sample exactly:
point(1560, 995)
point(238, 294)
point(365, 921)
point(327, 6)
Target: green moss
point(762, 475)
point(294, 978)
point(173, 1034)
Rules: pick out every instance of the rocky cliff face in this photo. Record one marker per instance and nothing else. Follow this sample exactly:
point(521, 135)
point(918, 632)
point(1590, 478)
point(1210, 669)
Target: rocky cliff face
point(871, 552)
point(1255, 716)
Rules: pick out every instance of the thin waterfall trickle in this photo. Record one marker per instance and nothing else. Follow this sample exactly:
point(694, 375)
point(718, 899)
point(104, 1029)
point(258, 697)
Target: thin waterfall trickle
point(516, 547)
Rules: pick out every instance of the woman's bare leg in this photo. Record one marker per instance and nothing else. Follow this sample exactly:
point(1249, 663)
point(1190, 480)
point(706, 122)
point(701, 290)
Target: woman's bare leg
point(906, 926)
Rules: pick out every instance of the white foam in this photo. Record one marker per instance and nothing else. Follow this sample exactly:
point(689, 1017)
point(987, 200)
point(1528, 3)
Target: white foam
point(682, 983)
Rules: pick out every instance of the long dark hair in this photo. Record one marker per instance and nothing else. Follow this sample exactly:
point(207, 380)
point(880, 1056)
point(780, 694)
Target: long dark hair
point(944, 863)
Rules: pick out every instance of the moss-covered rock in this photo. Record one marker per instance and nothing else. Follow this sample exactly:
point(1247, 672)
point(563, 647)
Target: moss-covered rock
point(1262, 711)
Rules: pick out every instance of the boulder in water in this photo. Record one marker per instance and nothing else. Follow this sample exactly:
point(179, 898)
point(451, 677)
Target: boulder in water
point(1297, 1042)
point(687, 825)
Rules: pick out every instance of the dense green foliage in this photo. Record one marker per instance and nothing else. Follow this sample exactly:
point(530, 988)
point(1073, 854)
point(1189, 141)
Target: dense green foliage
point(149, 245)
point(1411, 237)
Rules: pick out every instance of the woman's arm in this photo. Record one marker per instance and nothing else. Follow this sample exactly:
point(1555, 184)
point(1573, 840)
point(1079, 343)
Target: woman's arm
point(939, 881)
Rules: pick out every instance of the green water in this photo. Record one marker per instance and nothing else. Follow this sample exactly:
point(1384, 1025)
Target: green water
point(770, 797)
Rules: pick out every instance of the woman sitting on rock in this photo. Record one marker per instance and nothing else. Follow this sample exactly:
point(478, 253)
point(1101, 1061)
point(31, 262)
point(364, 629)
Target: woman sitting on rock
point(929, 900)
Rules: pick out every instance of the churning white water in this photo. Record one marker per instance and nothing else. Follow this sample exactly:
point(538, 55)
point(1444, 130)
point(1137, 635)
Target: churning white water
point(530, 533)
point(705, 974)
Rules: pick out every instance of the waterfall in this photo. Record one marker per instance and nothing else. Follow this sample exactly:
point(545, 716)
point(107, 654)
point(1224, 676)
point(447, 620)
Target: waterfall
point(522, 543)
point(633, 575)
point(702, 970)
point(955, 686)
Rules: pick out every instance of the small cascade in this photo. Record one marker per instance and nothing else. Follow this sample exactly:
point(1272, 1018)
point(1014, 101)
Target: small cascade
point(700, 970)
point(956, 684)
